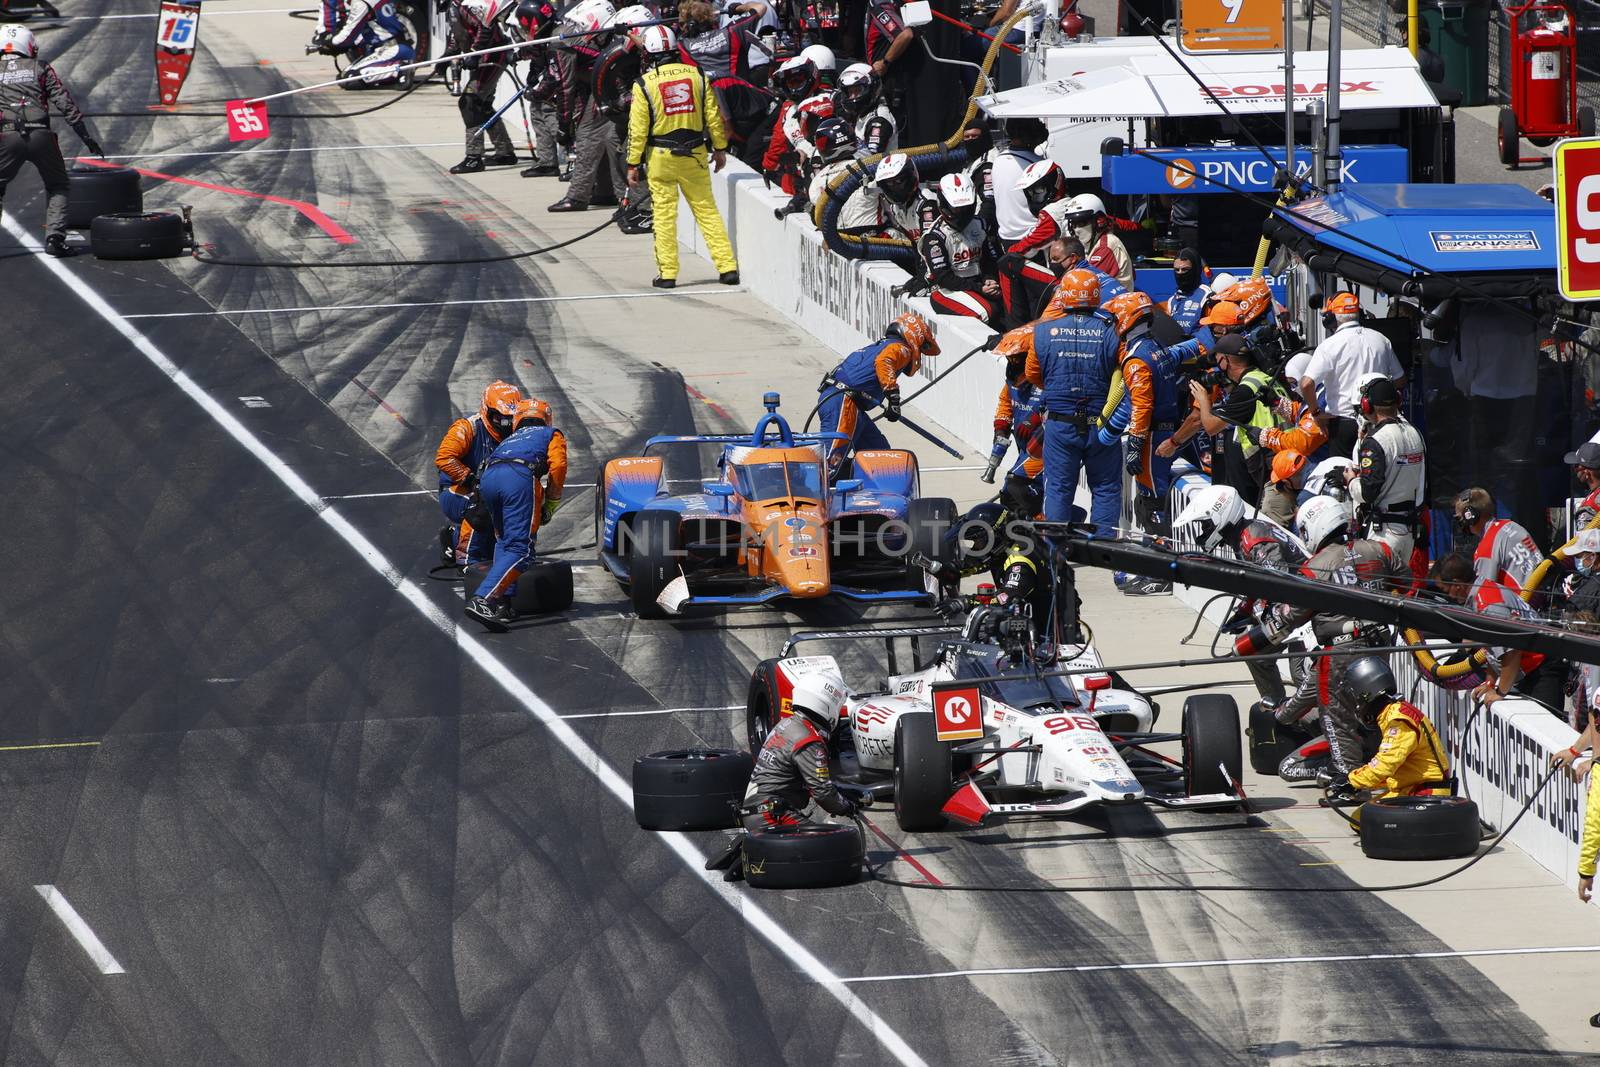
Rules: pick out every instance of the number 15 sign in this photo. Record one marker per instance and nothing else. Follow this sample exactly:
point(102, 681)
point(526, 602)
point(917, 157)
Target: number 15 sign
point(1231, 25)
point(1578, 218)
point(177, 32)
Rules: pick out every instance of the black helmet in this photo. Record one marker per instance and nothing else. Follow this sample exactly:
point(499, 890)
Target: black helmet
point(979, 535)
point(1368, 685)
point(536, 17)
point(834, 139)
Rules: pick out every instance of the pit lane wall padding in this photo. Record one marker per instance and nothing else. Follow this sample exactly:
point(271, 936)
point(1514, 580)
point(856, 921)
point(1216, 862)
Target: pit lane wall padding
point(1499, 753)
point(845, 304)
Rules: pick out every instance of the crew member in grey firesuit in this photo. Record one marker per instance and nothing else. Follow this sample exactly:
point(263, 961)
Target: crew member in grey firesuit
point(28, 86)
point(791, 780)
point(476, 28)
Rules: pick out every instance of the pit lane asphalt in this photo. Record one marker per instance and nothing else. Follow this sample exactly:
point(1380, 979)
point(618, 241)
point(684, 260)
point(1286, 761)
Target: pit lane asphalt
point(312, 833)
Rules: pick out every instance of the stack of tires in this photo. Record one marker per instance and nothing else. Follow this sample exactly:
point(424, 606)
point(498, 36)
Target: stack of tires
point(109, 203)
point(545, 587)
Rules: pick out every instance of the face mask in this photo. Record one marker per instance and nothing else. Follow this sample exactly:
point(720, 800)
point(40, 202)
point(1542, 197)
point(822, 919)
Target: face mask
point(1463, 527)
point(1585, 563)
point(1188, 280)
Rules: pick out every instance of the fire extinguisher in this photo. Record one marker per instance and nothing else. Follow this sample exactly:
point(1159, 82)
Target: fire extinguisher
point(1544, 87)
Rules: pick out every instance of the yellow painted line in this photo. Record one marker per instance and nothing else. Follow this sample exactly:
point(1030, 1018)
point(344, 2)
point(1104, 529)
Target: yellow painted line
point(55, 744)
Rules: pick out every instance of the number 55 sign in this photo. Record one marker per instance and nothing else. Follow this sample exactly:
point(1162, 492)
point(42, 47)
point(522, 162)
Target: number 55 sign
point(247, 121)
point(1231, 25)
point(1578, 217)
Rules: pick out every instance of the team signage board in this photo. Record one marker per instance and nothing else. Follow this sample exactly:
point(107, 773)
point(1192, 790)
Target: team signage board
point(177, 33)
point(1578, 218)
point(1202, 169)
point(1230, 25)
point(958, 713)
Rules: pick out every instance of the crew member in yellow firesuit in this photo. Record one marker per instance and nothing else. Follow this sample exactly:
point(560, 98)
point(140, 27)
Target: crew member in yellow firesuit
point(673, 120)
point(1410, 759)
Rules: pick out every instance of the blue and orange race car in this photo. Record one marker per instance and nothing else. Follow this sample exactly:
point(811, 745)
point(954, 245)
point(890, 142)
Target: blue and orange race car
point(769, 526)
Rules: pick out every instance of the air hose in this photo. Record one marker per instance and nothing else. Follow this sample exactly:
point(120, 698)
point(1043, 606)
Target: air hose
point(948, 153)
point(1457, 675)
point(393, 99)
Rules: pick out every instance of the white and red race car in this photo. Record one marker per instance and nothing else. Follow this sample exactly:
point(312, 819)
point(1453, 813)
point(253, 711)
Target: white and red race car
point(966, 735)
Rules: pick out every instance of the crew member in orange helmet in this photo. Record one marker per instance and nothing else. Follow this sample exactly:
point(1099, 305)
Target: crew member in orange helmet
point(868, 377)
point(460, 457)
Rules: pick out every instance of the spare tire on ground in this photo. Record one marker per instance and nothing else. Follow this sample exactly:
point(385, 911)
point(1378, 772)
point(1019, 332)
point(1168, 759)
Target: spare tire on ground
point(138, 235)
point(96, 191)
point(1419, 828)
point(808, 856)
point(544, 587)
point(690, 789)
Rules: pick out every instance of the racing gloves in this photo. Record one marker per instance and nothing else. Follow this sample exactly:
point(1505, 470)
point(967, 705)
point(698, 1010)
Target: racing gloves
point(1133, 454)
point(891, 403)
point(90, 143)
point(548, 511)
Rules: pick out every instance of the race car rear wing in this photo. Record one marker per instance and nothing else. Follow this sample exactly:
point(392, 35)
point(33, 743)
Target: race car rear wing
point(888, 634)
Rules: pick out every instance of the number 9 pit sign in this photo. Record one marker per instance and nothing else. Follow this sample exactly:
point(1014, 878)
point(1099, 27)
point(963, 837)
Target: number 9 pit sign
point(1578, 218)
point(958, 713)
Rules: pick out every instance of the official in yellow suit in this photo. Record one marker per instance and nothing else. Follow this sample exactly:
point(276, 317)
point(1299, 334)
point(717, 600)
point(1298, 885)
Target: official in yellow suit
point(673, 120)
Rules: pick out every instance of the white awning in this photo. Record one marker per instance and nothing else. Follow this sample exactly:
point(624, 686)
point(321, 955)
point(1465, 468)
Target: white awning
point(1150, 84)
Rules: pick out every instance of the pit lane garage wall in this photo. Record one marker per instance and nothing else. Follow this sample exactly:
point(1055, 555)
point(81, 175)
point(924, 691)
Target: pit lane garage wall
point(1500, 754)
point(843, 303)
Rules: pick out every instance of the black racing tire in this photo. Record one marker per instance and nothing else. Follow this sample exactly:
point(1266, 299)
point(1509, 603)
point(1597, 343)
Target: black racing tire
point(96, 191)
point(543, 588)
point(1506, 138)
point(923, 778)
point(690, 789)
point(1211, 743)
point(654, 548)
point(930, 519)
point(808, 856)
point(138, 235)
point(1586, 122)
point(1419, 828)
point(762, 709)
point(1270, 740)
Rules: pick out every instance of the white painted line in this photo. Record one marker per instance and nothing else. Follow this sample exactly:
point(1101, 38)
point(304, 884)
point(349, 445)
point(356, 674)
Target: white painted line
point(156, 14)
point(79, 929)
point(1092, 968)
point(739, 899)
point(376, 496)
point(664, 294)
point(281, 151)
point(653, 711)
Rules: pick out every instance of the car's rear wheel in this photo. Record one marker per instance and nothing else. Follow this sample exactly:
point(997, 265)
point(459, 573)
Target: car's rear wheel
point(655, 545)
point(1213, 756)
point(1419, 828)
point(808, 856)
point(922, 773)
point(762, 706)
point(690, 789)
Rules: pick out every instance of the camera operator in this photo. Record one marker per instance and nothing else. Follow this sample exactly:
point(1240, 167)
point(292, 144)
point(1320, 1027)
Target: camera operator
point(1250, 402)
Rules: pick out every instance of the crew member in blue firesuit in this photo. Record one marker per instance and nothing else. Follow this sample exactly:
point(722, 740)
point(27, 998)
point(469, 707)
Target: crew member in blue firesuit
point(868, 377)
point(460, 457)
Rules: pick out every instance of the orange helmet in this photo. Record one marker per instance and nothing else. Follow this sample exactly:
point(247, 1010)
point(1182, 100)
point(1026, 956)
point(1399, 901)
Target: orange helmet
point(534, 411)
point(1222, 313)
point(1130, 309)
point(1252, 295)
point(914, 330)
point(1014, 343)
point(1079, 290)
point(1342, 304)
point(1286, 465)
point(499, 408)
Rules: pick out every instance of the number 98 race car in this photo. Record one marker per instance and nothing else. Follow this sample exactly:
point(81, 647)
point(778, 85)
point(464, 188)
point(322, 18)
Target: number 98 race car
point(966, 734)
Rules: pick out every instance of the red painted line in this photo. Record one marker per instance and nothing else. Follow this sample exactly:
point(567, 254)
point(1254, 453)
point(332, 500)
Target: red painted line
point(339, 234)
point(902, 853)
point(713, 405)
point(382, 403)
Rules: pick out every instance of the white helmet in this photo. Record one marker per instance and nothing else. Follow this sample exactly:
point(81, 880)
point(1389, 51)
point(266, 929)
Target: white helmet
point(632, 15)
point(855, 72)
point(14, 38)
point(659, 41)
point(821, 695)
point(821, 57)
point(1319, 519)
point(1209, 514)
point(482, 12)
point(1223, 282)
point(588, 16)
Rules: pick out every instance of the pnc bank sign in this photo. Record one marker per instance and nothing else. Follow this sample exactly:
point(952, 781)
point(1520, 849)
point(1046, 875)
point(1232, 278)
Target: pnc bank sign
point(1221, 170)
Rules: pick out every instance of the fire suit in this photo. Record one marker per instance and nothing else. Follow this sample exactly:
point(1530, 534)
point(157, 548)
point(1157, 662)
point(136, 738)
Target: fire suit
point(1410, 759)
point(460, 457)
point(856, 386)
point(1389, 490)
point(723, 52)
point(791, 779)
point(1108, 254)
point(863, 212)
point(1267, 544)
point(1589, 848)
point(598, 175)
point(1300, 433)
point(1500, 600)
point(876, 132)
point(1587, 509)
point(1050, 224)
point(28, 86)
point(1072, 359)
point(477, 94)
point(1506, 554)
point(957, 263)
point(1020, 415)
point(1150, 411)
point(529, 467)
point(616, 73)
point(672, 120)
point(1186, 308)
point(552, 102)
point(369, 28)
point(1340, 639)
point(790, 151)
